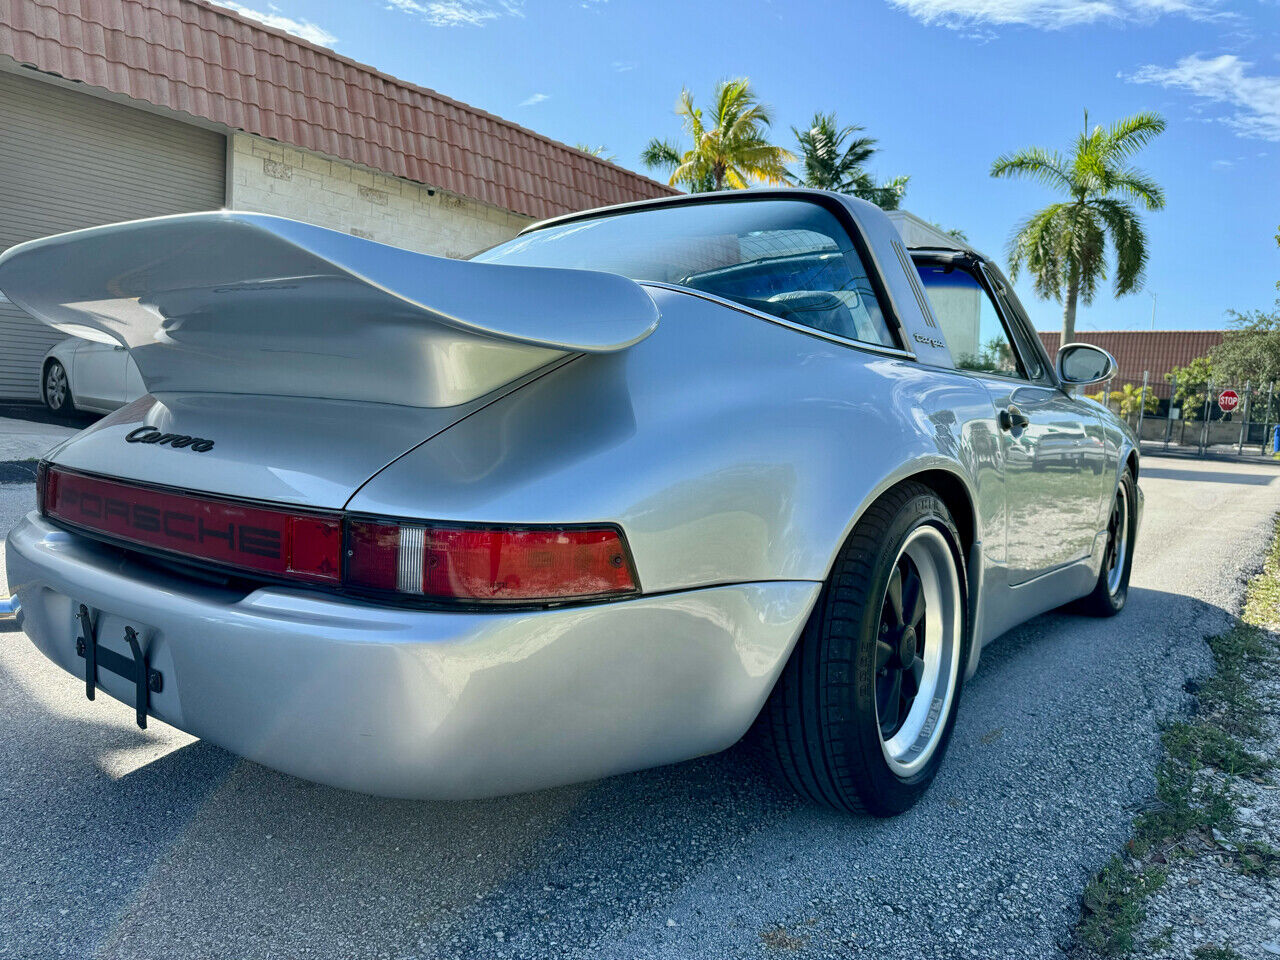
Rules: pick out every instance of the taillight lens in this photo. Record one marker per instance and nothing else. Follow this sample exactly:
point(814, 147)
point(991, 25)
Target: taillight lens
point(295, 546)
point(488, 563)
point(431, 561)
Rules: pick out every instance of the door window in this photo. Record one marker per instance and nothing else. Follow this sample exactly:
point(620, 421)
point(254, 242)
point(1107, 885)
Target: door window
point(974, 329)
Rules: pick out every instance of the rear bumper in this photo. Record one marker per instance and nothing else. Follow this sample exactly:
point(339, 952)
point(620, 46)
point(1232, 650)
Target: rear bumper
point(420, 703)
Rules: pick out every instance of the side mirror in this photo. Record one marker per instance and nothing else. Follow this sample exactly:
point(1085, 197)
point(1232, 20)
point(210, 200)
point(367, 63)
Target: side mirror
point(1080, 364)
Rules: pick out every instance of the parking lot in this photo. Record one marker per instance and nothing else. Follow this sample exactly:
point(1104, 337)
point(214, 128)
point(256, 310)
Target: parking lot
point(118, 842)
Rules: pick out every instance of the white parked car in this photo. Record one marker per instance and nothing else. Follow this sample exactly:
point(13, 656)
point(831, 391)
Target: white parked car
point(83, 375)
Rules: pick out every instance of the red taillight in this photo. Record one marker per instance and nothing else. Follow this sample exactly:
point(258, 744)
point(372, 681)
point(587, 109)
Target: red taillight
point(432, 561)
point(297, 546)
point(488, 563)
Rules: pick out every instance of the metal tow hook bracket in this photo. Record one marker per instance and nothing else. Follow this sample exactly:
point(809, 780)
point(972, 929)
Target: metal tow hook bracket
point(135, 669)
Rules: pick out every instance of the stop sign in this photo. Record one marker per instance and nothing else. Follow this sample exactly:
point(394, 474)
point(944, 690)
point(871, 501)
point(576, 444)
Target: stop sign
point(1228, 400)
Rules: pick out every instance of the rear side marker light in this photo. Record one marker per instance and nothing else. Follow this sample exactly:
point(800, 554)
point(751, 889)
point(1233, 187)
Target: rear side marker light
point(488, 563)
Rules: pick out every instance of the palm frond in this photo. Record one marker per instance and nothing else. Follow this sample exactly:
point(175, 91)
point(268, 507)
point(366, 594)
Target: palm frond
point(860, 149)
point(1130, 134)
point(689, 114)
point(1035, 163)
point(1087, 248)
point(1039, 245)
point(887, 195)
point(660, 155)
point(1129, 242)
point(1139, 186)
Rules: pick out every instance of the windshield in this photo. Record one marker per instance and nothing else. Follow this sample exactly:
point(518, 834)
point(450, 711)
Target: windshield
point(788, 258)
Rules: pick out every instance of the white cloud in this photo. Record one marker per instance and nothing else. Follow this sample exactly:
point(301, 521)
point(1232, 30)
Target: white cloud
point(622, 66)
point(459, 13)
point(299, 28)
point(1226, 80)
point(1049, 14)
point(534, 100)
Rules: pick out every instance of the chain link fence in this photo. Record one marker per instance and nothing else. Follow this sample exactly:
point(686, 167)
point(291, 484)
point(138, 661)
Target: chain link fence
point(1212, 417)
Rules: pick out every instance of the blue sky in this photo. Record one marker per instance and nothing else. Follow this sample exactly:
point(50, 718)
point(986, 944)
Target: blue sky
point(945, 85)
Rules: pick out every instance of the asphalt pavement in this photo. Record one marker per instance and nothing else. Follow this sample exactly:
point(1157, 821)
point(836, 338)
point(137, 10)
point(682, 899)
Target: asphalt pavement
point(116, 842)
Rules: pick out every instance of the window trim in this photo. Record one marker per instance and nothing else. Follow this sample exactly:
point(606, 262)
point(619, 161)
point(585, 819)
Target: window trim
point(773, 318)
point(976, 267)
point(1007, 321)
point(1031, 339)
point(829, 202)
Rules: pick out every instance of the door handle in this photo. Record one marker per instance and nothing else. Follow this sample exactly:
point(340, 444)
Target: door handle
point(1013, 419)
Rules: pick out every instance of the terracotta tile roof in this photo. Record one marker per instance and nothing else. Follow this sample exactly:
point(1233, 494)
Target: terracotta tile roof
point(1156, 351)
point(200, 59)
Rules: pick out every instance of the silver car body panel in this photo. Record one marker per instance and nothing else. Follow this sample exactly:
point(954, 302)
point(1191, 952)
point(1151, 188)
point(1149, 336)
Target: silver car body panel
point(230, 302)
point(734, 450)
point(265, 446)
point(415, 703)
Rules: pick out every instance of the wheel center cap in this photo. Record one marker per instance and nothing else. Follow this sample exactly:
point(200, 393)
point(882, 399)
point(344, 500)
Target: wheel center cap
point(907, 647)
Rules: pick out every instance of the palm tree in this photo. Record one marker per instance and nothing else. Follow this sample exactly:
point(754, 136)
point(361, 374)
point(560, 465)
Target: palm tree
point(829, 164)
point(1064, 246)
point(601, 151)
point(729, 152)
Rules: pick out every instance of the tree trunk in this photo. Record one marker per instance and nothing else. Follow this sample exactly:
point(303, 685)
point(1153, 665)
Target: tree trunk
point(1069, 312)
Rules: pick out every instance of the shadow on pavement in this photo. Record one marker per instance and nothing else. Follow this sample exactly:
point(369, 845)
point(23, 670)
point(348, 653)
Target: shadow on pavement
point(34, 412)
point(197, 853)
point(1205, 476)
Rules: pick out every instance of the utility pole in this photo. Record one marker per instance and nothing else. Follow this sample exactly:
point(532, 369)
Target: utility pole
point(1266, 420)
point(1204, 426)
point(1153, 310)
point(1142, 406)
point(1244, 421)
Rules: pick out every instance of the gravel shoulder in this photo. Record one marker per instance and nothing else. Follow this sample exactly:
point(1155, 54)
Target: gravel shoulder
point(125, 843)
point(1200, 878)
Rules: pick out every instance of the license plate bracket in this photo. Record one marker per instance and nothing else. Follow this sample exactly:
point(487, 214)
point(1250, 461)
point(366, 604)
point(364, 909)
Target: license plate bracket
point(135, 669)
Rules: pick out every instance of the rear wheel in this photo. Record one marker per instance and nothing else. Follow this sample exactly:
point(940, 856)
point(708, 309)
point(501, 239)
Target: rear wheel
point(57, 388)
point(1112, 589)
point(861, 716)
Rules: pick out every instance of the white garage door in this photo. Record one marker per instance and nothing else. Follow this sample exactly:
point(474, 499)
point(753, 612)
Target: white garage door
point(70, 160)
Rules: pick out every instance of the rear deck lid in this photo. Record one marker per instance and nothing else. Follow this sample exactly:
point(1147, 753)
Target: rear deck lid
point(287, 450)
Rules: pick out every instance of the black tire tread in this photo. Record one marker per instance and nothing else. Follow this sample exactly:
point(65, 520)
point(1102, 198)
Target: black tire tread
point(801, 731)
point(1099, 602)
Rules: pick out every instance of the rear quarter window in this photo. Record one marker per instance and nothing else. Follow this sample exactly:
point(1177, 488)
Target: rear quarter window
point(791, 259)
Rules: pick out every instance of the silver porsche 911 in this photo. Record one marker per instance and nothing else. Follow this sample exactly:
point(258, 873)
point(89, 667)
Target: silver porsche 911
point(606, 496)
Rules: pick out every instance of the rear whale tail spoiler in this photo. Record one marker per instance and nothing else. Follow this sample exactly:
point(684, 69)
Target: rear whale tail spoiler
point(231, 302)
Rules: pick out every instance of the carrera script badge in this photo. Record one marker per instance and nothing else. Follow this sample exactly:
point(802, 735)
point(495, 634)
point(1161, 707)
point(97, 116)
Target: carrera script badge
point(928, 341)
point(180, 440)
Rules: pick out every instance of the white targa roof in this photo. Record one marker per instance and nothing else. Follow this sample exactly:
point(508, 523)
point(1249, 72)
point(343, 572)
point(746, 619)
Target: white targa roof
point(921, 234)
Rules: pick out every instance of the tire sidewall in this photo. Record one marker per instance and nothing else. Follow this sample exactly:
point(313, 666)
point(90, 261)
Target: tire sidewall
point(1117, 600)
point(889, 792)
